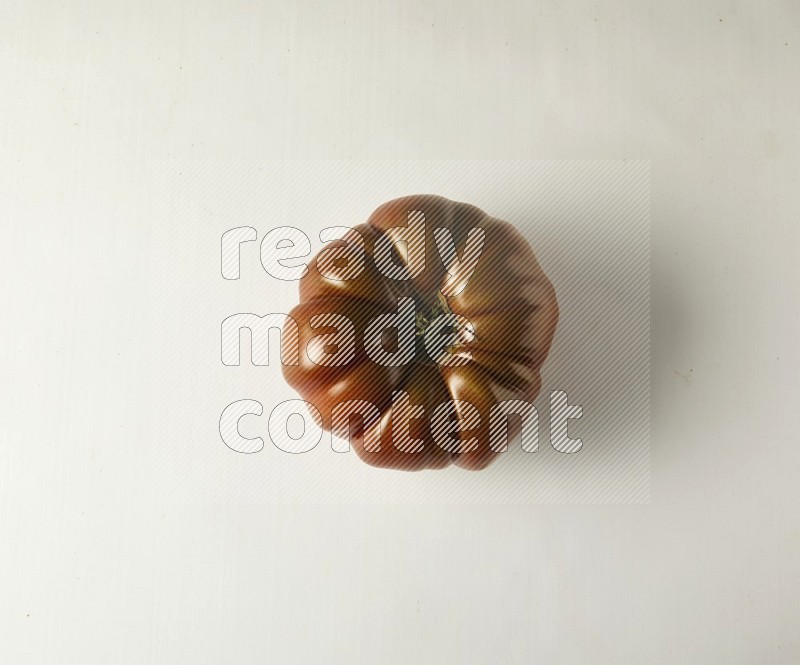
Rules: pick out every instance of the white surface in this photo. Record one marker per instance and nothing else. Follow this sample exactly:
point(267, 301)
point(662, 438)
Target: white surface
point(94, 571)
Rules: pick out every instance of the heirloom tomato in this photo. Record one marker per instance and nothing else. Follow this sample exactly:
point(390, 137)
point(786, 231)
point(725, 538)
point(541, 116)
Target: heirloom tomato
point(499, 315)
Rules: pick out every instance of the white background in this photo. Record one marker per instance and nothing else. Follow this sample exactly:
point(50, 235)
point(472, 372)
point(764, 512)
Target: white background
point(96, 571)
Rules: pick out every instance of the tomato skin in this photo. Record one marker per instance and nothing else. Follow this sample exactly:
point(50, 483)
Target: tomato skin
point(508, 299)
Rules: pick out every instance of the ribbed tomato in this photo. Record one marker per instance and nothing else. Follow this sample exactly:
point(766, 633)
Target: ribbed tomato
point(500, 313)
